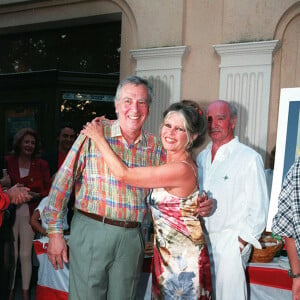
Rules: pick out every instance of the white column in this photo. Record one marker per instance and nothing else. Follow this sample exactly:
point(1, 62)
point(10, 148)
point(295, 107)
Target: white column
point(163, 68)
point(245, 79)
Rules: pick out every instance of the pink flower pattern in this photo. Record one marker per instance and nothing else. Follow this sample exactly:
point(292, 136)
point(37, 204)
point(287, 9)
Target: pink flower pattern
point(181, 268)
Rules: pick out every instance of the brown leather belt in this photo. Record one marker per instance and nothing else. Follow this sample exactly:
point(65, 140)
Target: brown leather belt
point(105, 220)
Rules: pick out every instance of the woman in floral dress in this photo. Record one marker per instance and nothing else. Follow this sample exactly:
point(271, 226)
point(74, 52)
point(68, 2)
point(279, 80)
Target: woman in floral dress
point(181, 265)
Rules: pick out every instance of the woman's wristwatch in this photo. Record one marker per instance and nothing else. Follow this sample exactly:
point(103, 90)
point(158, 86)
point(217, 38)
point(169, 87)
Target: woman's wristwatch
point(290, 273)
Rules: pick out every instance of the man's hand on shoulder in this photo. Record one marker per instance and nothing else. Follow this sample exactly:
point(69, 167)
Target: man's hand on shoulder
point(57, 250)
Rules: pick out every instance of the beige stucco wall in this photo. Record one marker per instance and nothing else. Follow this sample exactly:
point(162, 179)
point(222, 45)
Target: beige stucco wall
point(199, 24)
point(286, 64)
point(218, 22)
point(149, 24)
point(159, 23)
point(222, 22)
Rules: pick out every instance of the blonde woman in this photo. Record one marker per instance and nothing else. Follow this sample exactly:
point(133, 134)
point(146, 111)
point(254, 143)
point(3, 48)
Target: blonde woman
point(181, 263)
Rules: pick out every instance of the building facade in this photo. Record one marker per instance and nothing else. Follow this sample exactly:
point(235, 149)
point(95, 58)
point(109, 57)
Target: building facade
point(241, 51)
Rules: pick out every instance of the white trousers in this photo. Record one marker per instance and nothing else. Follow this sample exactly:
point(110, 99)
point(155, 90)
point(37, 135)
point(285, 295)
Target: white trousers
point(228, 265)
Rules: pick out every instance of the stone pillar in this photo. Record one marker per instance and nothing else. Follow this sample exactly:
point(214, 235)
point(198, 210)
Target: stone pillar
point(245, 79)
point(163, 68)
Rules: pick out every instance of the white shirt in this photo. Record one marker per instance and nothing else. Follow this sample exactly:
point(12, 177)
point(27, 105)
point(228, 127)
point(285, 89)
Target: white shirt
point(236, 180)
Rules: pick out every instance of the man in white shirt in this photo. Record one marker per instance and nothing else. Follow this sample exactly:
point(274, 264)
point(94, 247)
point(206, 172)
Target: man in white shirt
point(232, 174)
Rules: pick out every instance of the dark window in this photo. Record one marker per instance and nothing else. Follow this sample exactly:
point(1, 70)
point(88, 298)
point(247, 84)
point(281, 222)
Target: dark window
point(79, 108)
point(90, 48)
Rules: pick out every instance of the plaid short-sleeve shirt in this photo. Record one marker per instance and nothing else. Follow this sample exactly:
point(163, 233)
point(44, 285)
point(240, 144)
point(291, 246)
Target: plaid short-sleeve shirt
point(287, 220)
point(96, 189)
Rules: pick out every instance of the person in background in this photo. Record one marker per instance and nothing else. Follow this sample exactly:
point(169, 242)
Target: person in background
point(232, 174)
point(65, 138)
point(5, 181)
point(287, 223)
point(180, 261)
point(35, 221)
point(38, 224)
point(24, 167)
point(10, 196)
point(59, 278)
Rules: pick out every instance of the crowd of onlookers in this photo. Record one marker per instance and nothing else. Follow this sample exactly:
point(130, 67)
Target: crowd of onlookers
point(207, 211)
point(26, 166)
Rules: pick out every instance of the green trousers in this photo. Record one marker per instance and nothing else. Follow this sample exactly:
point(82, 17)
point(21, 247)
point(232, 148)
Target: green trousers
point(105, 260)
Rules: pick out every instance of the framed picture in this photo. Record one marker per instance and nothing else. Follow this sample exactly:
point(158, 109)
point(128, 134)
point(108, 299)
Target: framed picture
point(287, 143)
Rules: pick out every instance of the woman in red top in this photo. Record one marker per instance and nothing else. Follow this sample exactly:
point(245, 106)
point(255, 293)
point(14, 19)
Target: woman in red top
point(25, 168)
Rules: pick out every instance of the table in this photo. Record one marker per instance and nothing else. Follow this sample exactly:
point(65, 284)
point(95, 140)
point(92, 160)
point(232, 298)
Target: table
point(267, 281)
point(52, 284)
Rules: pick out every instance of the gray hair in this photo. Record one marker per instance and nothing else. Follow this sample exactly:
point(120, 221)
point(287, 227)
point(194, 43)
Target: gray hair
point(135, 80)
point(231, 106)
point(233, 110)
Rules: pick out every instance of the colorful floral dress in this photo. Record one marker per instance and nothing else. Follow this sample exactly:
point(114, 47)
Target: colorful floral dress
point(181, 268)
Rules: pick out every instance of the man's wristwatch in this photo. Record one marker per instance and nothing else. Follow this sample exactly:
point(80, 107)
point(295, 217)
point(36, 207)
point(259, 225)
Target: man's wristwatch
point(290, 273)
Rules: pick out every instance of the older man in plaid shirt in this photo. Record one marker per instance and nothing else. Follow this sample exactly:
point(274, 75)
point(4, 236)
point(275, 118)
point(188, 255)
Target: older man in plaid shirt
point(287, 222)
point(106, 245)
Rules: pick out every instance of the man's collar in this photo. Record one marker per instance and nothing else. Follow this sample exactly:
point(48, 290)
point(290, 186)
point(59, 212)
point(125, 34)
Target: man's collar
point(116, 131)
point(225, 149)
point(232, 141)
